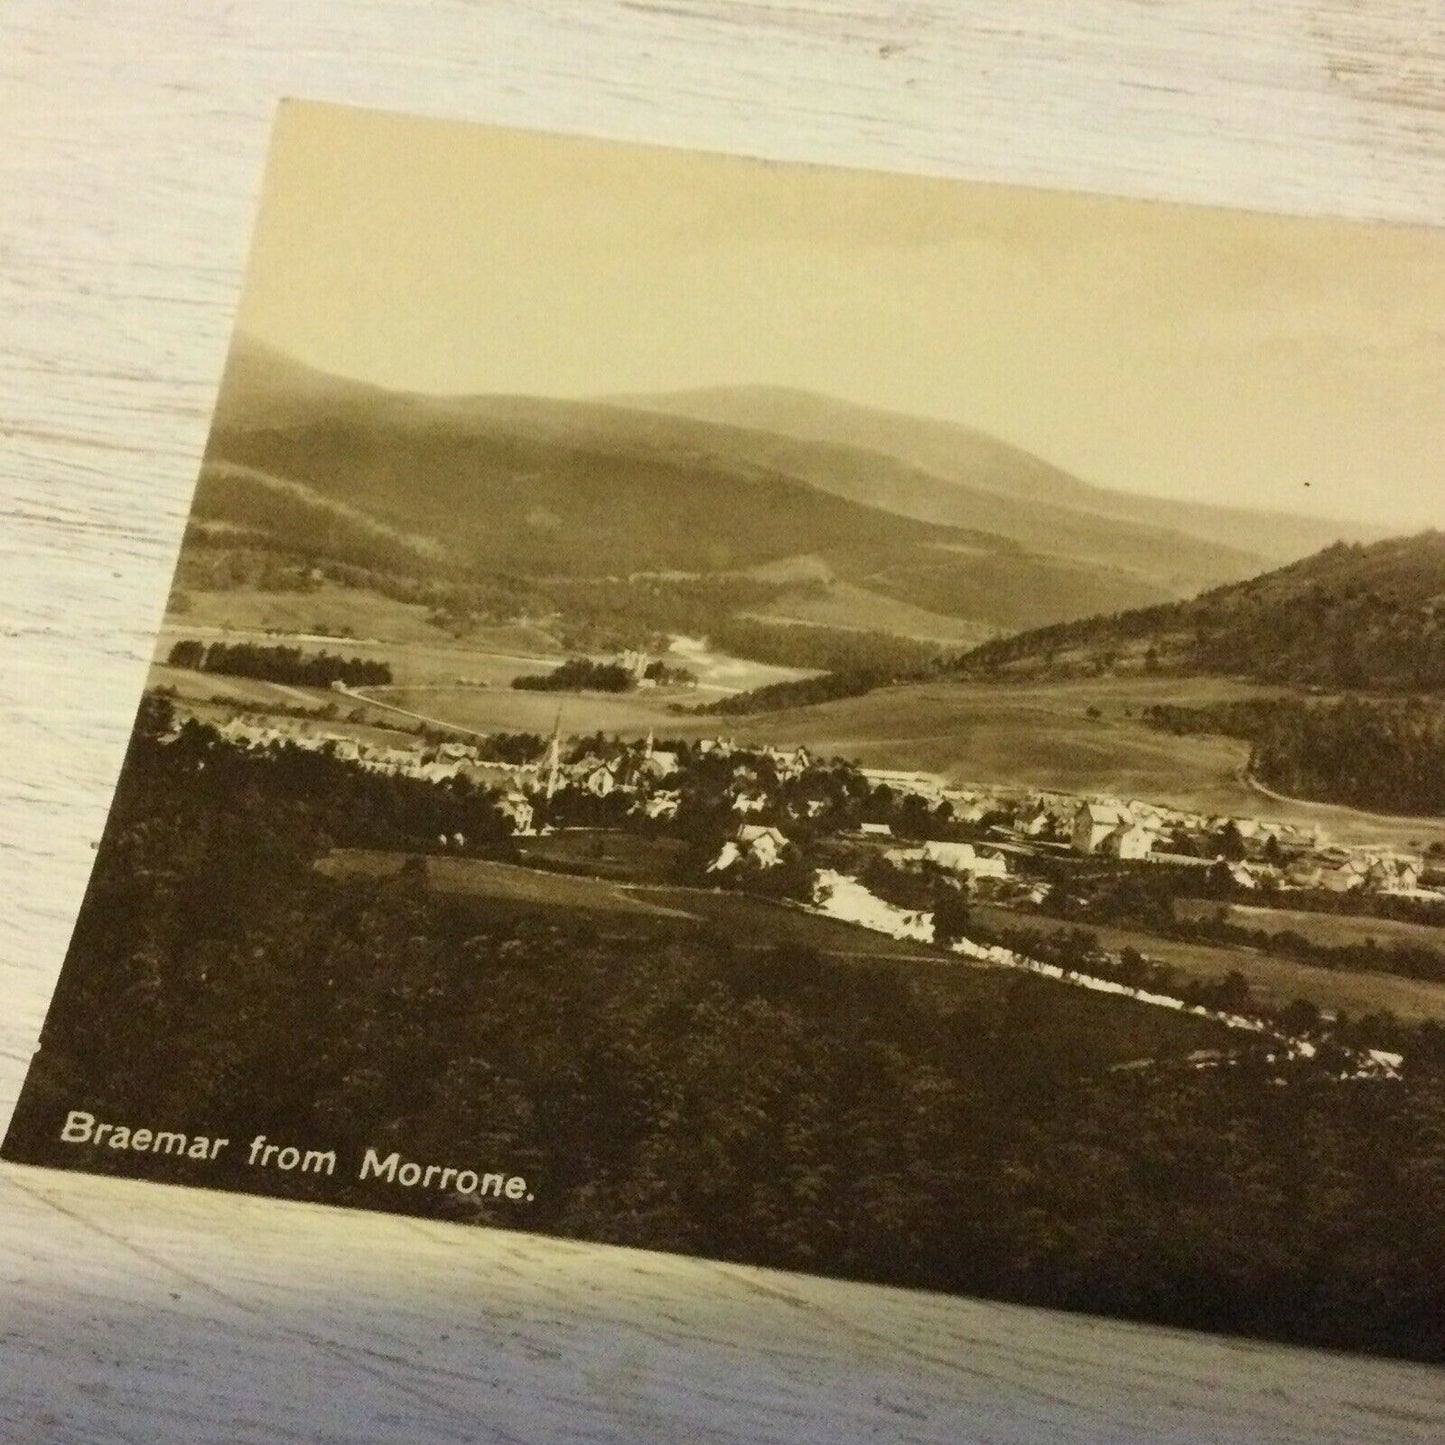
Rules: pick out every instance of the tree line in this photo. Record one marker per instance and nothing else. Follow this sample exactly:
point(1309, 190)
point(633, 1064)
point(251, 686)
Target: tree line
point(1385, 755)
point(279, 664)
point(579, 674)
point(827, 649)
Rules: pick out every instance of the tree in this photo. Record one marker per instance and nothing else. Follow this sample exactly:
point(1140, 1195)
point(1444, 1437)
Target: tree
point(156, 717)
point(951, 918)
point(1230, 842)
point(1133, 968)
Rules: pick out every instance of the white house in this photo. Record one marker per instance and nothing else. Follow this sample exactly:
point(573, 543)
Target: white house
point(963, 858)
point(1127, 840)
point(597, 777)
point(660, 763)
point(432, 772)
point(518, 810)
point(1393, 875)
point(788, 762)
point(661, 805)
point(762, 844)
point(1346, 877)
point(1304, 873)
point(1035, 822)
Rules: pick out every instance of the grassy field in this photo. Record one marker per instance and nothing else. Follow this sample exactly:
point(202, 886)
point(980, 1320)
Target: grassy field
point(1272, 981)
point(506, 709)
point(243, 692)
point(327, 609)
point(358, 623)
point(846, 605)
point(605, 853)
point(1327, 928)
point(1026, 735)
point(366, 623)
point(437, 661)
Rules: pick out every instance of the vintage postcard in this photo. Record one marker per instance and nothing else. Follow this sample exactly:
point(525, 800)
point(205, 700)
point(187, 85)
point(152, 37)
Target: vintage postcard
point(847, 722)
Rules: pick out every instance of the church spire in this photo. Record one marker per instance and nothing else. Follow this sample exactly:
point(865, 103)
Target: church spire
point(554, 754)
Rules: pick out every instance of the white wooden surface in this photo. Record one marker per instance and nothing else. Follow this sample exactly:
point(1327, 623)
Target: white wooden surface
point(134, 133)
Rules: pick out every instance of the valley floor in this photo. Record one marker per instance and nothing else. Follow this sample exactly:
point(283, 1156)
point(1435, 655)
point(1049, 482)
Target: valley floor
point(1080, 737)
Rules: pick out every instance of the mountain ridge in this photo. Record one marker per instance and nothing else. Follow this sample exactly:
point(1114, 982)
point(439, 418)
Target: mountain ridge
point(966, 455)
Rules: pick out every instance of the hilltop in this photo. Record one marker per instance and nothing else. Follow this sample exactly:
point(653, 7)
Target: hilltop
point(963, 476)
point(1352, 617)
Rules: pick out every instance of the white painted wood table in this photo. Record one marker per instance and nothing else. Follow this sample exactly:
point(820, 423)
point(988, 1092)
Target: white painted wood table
point(134, 134)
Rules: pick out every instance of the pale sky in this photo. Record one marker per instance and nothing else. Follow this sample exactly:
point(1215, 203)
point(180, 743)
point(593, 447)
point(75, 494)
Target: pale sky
point(1184, 352)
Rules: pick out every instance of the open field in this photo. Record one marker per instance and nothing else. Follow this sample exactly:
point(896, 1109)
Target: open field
point(1327, 928)
point(1272, 981)
point(507, 709)
point(1028, 736)
point(435, 661)
point(244, 692)
point(847, 605)
point(604, 853)
point(332, 608)
point(215, 697)
point(421, 655)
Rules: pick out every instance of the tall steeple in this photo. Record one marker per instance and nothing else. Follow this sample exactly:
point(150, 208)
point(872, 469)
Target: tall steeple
point(553, 761)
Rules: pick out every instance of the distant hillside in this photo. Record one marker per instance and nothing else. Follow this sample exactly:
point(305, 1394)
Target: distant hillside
point(1014, 483)
point(1350, 617)
point(547, 488)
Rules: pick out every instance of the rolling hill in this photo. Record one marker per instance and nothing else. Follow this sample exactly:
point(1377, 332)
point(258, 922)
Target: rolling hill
point(988, 478)
point(523, 486)
point(1352, 617)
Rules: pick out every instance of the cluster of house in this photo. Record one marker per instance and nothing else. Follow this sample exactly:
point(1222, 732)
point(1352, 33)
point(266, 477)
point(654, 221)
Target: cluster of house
point(641, 770)
point(763, 845)
point(430, 764)
point(1264, 853)
point(962, 859)
point(965, 804)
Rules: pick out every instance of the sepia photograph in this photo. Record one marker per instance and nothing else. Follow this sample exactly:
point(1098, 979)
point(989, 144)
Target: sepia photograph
point(855, 723)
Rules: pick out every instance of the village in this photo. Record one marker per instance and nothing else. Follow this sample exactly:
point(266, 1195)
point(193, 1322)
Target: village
point(987, 837)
